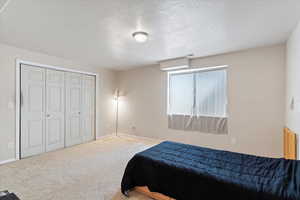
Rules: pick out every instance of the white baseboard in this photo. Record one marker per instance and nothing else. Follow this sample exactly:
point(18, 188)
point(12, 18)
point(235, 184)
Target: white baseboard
point(7, 161)
point(105, 136)
point(129, 136)
point(139, 137)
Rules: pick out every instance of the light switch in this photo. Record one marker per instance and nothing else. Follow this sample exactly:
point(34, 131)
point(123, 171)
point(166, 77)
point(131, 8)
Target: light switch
point(11, 145)
point(292, 105)
point(11, 105)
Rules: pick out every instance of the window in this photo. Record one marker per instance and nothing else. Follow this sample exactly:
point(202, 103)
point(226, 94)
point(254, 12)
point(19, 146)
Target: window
point(198, 93)
point(197, 100)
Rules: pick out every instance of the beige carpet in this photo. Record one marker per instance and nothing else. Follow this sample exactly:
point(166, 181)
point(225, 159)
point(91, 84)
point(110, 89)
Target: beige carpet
point(90, 171)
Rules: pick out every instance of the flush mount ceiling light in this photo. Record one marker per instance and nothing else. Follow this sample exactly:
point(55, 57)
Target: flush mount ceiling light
point(140, 36)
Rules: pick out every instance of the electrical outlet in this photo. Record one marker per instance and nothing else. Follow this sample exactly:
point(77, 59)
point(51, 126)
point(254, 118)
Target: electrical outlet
point(233, 140)
point(133, 128)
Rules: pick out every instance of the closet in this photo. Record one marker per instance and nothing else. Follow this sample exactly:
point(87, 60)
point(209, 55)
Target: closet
point(57, 109)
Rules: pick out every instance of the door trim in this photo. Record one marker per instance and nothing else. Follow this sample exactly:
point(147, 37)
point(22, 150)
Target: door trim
point(18, 96)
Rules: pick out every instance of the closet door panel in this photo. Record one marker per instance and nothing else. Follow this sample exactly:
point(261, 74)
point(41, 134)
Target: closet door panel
point(55, 110)
point(88, 108)
point(73, 108)
point(75, 132)
point(32, 111)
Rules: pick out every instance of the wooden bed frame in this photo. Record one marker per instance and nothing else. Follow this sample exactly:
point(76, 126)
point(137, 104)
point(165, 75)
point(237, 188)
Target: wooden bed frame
point(154, 195)
point(290, 152)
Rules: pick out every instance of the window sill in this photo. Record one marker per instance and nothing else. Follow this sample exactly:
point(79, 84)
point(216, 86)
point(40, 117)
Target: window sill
point(198, 116)
point(205, 124)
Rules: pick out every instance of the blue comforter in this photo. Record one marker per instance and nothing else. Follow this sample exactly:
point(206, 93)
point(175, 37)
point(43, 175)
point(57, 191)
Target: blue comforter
point(187, 172)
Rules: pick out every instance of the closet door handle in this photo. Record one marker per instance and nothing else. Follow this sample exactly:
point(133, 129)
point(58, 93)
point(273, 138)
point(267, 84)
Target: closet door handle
point(48, 115)
point(79, 113)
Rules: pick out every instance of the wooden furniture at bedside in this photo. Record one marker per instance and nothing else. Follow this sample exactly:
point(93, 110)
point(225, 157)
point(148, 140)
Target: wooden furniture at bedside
point(290, 144)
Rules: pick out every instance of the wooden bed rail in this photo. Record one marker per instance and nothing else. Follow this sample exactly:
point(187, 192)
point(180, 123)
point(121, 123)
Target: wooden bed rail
point(290, 144)
point(153, 195)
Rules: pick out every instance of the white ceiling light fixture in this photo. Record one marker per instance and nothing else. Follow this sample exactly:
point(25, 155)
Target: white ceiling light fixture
point(140, 36)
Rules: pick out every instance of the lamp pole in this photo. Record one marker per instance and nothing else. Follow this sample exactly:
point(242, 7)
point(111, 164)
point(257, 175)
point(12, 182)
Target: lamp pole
point(117, 95)
point(117, 116)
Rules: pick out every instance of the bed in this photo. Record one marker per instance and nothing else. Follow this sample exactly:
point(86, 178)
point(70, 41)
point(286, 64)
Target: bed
point(178, 171)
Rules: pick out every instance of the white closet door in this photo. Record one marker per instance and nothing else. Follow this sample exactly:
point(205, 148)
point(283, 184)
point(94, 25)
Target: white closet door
point(73, 108)
point(55, 110)
point(32, 111)
point(88, 108)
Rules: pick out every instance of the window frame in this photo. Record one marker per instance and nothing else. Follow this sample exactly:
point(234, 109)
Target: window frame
point(194, 71)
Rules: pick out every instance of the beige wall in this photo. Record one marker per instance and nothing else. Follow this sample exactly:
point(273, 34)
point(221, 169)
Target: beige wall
point(256, 102)
point(293, 82)
point(256, 99)
point(8, 56)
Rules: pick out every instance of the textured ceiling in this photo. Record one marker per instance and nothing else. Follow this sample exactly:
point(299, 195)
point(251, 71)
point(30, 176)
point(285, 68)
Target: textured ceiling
point(3, 4)
point(98, 32)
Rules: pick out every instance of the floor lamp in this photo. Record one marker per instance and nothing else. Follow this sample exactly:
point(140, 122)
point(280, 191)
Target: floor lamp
point(116, 97)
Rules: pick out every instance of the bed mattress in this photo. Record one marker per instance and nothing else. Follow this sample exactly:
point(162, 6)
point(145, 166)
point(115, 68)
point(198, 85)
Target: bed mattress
point(187, 172)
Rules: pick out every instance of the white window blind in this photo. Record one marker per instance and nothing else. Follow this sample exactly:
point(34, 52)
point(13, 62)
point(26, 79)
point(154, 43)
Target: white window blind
point(181, 94)
point(196, 97)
